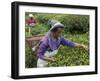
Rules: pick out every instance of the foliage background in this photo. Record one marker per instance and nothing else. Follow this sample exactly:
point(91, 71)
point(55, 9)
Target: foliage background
point(76, 29)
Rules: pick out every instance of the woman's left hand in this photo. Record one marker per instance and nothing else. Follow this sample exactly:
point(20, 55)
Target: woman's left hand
point(85, 47)
point(82, 46)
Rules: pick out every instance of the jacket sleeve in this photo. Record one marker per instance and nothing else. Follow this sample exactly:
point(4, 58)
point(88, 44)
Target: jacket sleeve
point(67, 42)
point(42, 49)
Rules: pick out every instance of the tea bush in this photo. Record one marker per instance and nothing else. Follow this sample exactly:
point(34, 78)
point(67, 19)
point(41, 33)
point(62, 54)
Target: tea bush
point(76, 29)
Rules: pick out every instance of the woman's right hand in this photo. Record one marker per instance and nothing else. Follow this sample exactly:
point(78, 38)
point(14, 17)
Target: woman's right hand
point(51, 59)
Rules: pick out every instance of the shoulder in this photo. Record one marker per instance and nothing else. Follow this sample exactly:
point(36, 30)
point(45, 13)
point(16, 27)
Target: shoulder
point(44, 40)
point(62, 38)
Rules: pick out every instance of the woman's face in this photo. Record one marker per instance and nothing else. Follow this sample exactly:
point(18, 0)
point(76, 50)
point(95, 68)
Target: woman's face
point(58, 33)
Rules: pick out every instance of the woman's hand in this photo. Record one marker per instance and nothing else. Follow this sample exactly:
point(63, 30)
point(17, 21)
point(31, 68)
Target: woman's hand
point(82, 46)
point(51, 59)
point(85, 47)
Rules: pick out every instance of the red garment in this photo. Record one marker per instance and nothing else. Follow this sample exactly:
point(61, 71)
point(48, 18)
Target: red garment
point(30, 22)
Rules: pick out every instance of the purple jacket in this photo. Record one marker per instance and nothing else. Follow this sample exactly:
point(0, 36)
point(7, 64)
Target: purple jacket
point(47, 44)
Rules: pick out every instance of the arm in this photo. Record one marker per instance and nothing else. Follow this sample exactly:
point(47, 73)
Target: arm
point(67, 42)
point(73, 44)
point(41, 51)
point(81, 46)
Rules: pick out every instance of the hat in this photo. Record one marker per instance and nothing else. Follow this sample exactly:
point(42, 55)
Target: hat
point(55, 24)
point(31, 15)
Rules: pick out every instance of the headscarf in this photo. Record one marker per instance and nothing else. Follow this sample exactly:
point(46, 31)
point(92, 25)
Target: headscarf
point(54, 43)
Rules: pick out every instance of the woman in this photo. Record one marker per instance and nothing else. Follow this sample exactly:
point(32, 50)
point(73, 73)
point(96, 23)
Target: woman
point(49, 45)
point(31, 21)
